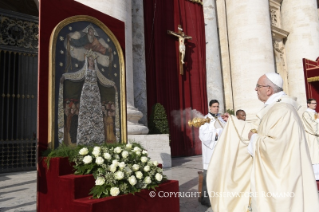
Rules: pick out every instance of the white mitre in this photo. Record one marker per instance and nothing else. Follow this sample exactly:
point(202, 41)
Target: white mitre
point(275, 78)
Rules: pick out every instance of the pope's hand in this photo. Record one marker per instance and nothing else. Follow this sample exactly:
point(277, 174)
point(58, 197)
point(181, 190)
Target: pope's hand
point(225, 116)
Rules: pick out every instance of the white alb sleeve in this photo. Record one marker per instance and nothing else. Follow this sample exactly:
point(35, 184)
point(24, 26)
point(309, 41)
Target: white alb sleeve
point(252, 144)
point(207, 134)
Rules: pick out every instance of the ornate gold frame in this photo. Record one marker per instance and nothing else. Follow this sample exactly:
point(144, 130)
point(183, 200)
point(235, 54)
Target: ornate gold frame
point(51, 95)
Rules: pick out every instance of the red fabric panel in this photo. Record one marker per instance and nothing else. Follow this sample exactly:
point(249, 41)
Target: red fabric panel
point(164, 83)
point(62, 191)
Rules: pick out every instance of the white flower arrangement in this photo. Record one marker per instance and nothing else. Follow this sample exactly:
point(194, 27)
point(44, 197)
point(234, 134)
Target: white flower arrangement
point(115, 191)
point(84, 151)
point(144, 159)
point(118, 170)
point(87, 159)
point(132, 180)
point(125, 154)
point(129, 146)
point(99, 160)
point(117, 150)
point(99, 181)
point(107, 156)
point(147, 168)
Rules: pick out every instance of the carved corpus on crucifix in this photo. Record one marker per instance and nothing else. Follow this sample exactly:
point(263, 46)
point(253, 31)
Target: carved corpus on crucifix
point(181, 39)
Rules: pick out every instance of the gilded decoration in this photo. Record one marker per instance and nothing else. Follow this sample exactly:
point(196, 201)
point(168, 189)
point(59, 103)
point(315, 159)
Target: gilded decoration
point(313, 79)
point(196, 1)
point(87, 103)
point(19, 33)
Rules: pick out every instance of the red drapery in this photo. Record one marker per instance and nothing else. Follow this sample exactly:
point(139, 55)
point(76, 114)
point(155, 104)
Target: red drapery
point(164, 83)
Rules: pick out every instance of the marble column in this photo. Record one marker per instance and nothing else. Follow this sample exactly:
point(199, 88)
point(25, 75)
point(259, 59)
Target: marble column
point(214, 79)
point(122, 10)
point(300, 19)
point(224, 53)
point(139, 66)
point(251, 51)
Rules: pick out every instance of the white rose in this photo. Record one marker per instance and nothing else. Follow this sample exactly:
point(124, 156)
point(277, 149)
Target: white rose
point(138, 152)
point(128, 170)
point(122, 165)
point(115, 162)
point(99, 181)
point(125, 154)
point(107, 156)
point(96, 151)
point(147, 180)
point(139, 175)
point(147, 168)
point(116, 156)
point(136, 149)
point(132, 180)
point(118, 150)
point(135, 167)
point(112, 168)
point(144, 159)
point(144, 152)
point(155, 163)
point(115, 191)
point(87, 159)
point(119, 175)
point(84, 151)
point(158, 177)
point(97, 148)
point(99, 160)
point(129, 146)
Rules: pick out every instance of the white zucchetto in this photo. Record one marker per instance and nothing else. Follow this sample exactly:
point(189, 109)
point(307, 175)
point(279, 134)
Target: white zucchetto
point(275, 78)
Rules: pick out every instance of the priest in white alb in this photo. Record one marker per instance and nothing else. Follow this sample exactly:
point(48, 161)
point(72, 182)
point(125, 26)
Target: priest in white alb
point(310, 120)
point(209, 134)
point(265, 165)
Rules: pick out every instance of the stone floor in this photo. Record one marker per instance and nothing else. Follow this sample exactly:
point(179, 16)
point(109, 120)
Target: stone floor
point(18, 190)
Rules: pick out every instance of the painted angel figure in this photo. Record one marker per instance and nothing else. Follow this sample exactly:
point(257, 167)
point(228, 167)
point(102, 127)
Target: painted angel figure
point(90, 118)
point(181, 40)
point(79, 42)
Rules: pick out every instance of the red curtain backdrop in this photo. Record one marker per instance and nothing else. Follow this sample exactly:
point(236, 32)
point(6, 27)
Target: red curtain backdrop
point(164, 83)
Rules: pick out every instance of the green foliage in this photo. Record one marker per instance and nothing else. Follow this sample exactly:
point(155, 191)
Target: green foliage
point(158, 123)
point(62, 151)
point(230, 111)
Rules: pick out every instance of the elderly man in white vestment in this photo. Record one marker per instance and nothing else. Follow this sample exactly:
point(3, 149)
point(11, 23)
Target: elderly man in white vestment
point(310, 120)
point(269, 170)
point(209, 134)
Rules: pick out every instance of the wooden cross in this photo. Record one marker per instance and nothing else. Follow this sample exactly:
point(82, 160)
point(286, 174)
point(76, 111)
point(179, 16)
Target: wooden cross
point(181, 39)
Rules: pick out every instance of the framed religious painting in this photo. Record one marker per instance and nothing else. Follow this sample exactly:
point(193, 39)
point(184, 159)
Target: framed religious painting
point(87, 102)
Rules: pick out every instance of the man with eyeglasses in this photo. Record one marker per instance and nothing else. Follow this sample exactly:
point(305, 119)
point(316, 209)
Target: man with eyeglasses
point(310, 120)
point(259, 165)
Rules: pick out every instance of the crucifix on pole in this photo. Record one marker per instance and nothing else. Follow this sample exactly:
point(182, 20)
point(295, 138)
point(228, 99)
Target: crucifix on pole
point(181, 39)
